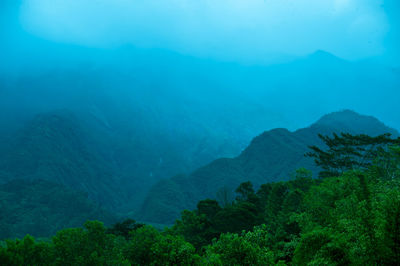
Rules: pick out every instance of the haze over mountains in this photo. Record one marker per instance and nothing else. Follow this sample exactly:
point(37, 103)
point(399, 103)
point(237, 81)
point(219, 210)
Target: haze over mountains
point(195, 111)
point(193, 87)
point(129, 126)
point(273, 156)
point(60, 148)
point(199, 132)
point(55, 147)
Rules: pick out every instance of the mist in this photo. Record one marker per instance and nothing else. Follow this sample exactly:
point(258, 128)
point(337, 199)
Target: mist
point(138, 103)
point(113, 39)
point(220, 71)
point(230, 29)
point(256, 31)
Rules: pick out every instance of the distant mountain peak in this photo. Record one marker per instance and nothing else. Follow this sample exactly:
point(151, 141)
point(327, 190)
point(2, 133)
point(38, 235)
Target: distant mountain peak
point(271, 157)
point(345, 114)
point(349, 119)
point(322, 53)
point(324, 56)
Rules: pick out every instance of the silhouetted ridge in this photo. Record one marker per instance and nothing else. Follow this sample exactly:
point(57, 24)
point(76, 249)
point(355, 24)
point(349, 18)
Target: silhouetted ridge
point(321, 54)
point(272, 156)
point(321, 57)
point(348, 120)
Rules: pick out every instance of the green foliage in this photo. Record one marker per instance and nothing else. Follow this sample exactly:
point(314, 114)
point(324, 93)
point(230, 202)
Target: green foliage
point(346, 152)
point(387, 165)
point(351, 219)
point(238, 217)
point(26, 252)
point(208, 207)
point(147, 246)
point(138, 251)
point(244, 249)
point(245, 191)
point(88, 246)
point(173, 250)
point(198, 227)
point(271, 157)
point(358, 209)
point(321, 247)
point(391, 227)
point(124, 228)
point(273, 204)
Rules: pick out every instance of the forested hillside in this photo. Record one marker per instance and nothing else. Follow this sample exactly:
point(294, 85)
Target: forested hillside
point(67, 150)
point(349, 219)
point(55, 147)
point(196, 110)
point(272, 156)
point(41, 208)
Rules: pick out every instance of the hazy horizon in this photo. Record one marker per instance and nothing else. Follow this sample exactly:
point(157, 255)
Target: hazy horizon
point(168, 46)
point(255, 31)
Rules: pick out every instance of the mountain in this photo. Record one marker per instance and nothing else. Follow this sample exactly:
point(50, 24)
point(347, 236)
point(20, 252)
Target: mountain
point(55, 147)
point(41, 208)
point(270, 157)
point(138, 129)
point(114, 156)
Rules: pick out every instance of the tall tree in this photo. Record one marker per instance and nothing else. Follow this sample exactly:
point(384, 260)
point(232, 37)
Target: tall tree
point(345, 152)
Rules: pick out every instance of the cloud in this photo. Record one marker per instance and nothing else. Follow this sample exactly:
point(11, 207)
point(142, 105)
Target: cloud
point(225, 28)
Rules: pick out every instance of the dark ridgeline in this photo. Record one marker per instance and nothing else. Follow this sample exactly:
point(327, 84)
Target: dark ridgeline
point(345, 218)
point(81, 154)
point(273, 156)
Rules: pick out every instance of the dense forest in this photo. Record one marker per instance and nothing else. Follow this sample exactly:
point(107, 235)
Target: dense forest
point(56, 172)
point(42, 208)
point(350, 214)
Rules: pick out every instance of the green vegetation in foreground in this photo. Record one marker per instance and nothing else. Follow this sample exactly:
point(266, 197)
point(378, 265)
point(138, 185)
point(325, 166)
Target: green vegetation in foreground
point(352, 218)
point(270, 157)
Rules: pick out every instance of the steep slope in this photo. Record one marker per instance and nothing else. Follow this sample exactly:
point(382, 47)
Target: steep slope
point(41, 208)
point(155, 114)
point(55, 147)
point(272, 156)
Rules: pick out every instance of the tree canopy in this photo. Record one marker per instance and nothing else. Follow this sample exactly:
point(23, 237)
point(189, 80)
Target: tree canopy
point(352, 218)
point(345, 152)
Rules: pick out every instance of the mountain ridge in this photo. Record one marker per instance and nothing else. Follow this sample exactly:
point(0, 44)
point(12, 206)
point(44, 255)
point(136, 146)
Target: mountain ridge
point(54, 146)
point(270, 157)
